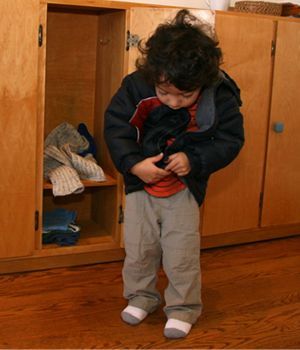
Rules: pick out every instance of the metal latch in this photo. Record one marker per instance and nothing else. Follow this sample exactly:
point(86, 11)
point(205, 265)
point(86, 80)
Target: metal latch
point(273, 48)
point(132, 40)
point(121, 215)
point(40, 37)
point(36, 220)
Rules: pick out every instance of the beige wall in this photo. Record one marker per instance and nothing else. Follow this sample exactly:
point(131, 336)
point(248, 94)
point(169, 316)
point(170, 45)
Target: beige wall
point(202, 4)
point(292, 1)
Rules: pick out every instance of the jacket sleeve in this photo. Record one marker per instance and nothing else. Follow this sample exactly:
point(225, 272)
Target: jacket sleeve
point(220, 146)
point(120, 136)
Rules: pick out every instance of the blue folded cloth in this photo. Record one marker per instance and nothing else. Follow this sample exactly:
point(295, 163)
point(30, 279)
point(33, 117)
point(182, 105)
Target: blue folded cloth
point(58, 219)
point(62, 238)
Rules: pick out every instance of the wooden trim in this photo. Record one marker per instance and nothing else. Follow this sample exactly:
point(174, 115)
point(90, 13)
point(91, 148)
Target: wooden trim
point(240, 237)
point(40, 124)
point(42, 263)
point(92, 244)
point(257, 15)
point(117, 254)
point(114, 5)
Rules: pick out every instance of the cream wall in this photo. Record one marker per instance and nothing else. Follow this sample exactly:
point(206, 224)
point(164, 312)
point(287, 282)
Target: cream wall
point(203, 4)
point(292, 1)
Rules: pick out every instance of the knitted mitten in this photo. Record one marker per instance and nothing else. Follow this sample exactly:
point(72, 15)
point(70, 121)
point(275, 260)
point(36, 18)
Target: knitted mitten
point(65, 180)
point(87, 167)
point(67, 133)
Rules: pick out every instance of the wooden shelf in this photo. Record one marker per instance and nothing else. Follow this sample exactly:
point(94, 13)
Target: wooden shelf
point(92, 237)
point(110, 181)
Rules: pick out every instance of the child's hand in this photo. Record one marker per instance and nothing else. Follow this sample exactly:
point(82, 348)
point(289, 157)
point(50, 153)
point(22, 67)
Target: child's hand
point(179, 164)
point(147, 171)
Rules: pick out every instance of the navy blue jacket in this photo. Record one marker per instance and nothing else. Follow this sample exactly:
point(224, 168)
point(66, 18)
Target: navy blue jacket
point(213, 146)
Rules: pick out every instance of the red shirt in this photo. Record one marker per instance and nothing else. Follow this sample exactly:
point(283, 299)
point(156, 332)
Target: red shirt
point(172, 184)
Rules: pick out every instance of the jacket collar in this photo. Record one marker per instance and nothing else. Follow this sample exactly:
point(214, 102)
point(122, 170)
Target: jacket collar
point(206, 111)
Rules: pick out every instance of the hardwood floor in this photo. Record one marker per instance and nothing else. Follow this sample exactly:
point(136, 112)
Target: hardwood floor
point(251, 297)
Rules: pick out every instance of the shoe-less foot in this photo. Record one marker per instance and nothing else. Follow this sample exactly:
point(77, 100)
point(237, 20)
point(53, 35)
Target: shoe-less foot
point(133, 315)
point(175, 329)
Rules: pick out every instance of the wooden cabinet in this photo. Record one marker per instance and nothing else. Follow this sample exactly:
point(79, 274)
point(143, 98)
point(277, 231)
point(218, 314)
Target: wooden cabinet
point(61, 63)
point(62, 60)
point(84, 65)
point(258, 195)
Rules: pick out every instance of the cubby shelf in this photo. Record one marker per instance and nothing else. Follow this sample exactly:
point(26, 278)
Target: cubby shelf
point(110, 181)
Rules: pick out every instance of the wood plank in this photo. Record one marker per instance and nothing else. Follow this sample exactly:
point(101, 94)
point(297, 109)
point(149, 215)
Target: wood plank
point(106, 4)
point(95, 240)
point(40, 122)
point(70, 71)
point(38, 262)
point(109, 73)
point(250, 293)
point(247, 236)
point(281, 204)
point(233, 197)
point(18, 122)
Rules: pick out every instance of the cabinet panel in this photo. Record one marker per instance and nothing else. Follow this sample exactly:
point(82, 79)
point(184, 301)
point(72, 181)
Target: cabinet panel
point(70, 74)
point(233, 198)
point(18, 115)
point(281, 203)
point(144, 21)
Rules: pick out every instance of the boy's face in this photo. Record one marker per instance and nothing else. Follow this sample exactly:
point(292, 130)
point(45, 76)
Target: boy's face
point(169, 95)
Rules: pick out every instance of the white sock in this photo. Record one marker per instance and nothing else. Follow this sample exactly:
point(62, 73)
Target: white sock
point(133, 315)
point(176, 328)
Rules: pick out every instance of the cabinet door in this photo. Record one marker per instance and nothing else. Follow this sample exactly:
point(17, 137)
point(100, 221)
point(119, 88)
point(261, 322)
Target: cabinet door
point(144, 21)
point(281, 203)
point(18, 103)
point(233, 197)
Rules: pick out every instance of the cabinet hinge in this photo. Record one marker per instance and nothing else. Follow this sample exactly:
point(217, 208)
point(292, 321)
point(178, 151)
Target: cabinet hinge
point(36, 220)
point(132, 40)
point(273, 48)
point(121, 215)
point(40, 36)
point(261, 198)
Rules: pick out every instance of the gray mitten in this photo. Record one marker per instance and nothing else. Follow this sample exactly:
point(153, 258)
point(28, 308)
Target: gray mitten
point(67, 133)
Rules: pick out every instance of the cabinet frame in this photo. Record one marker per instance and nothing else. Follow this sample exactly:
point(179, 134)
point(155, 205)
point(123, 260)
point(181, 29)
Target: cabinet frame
point(108, 247)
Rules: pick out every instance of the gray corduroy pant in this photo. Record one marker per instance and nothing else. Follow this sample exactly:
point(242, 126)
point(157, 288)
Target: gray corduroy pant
point(163, 230)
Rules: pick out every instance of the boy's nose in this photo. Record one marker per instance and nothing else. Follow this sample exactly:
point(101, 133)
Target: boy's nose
point(174, 104)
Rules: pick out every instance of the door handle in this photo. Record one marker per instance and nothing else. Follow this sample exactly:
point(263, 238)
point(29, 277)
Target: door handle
point(278, 127)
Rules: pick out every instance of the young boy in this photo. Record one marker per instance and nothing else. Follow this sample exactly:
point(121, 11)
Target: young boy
point(171, 124)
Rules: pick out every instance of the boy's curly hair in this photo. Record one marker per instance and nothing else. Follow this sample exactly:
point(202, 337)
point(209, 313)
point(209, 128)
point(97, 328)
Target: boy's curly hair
point(180, 53)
